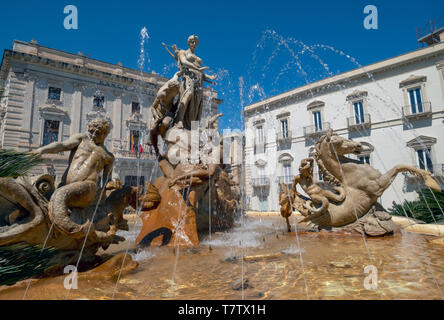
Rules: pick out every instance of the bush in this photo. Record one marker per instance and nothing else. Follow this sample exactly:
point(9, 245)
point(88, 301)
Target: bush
point(428, 208)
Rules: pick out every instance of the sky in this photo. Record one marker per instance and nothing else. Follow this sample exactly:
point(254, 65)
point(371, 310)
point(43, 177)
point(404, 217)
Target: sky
point(258, 49)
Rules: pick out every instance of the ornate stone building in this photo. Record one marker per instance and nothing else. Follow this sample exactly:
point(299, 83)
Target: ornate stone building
point(50, 95)
point(395, 108)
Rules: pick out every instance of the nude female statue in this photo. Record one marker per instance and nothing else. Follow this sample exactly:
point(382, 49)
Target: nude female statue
point(191, 91)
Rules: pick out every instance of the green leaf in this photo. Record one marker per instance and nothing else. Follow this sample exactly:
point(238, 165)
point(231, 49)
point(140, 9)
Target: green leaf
point(428, 208)
point(14, 163)
point(22, 261)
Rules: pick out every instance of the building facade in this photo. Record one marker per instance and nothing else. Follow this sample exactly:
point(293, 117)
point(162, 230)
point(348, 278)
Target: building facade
point(51, 95)
point(395, 108)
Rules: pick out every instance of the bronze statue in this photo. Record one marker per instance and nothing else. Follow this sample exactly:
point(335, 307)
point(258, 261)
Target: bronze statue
point(189, 187)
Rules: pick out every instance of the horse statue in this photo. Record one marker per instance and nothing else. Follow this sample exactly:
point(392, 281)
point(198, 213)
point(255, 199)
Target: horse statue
point(362, 184)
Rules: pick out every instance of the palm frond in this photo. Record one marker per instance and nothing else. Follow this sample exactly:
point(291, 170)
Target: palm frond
point(22, 261)
point(428, 208)
point(14, 163)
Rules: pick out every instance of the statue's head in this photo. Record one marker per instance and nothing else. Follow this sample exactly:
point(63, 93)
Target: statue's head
point(342, 146)
point(306, 166)
point(193, 41)
point(98, 130)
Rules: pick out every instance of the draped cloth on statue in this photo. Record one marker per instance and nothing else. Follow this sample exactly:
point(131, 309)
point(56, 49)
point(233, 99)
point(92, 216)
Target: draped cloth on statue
point(192, 83)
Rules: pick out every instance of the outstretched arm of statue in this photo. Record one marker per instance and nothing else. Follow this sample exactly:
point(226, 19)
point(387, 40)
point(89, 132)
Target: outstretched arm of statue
point(211, 77)
point(66, 145)
point(174, 48)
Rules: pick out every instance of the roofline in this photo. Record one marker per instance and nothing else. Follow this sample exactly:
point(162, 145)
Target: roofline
point(354, 73)
point(161, 79)
point(437, 31)
point(90, 59)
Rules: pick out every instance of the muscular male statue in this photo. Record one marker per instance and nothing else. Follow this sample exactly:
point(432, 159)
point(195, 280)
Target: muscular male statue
point(88, 159)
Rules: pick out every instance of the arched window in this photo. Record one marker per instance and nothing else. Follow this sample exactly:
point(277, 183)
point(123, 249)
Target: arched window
point(365, 155)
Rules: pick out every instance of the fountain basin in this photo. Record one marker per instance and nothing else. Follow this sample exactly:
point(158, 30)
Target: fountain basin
point(409, 267)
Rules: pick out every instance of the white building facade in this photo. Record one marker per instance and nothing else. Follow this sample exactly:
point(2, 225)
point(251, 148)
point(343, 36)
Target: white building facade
point(51, 95)
point(395, 108)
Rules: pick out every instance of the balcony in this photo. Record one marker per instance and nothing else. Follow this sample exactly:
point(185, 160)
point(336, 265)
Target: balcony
point(262, 182)
point(438, 170)
point(417, 112)
point(54, 102)
point(352, 124)
point(259, 146)
point(314, 132)
point(129, 154)
point(283, 138)
point(288, 180)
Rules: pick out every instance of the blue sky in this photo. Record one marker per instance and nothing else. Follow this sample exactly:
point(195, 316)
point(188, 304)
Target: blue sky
point(237, 38)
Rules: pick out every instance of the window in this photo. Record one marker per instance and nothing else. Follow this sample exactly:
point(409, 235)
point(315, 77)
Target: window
point(425, 159)
point(50, 131)
point(287, 174)
point(135, 137)
point(135, 107)
point(54, 93)
point(364, 159)
point(260, 134)
point(262, 175)
point(317, 121)
point(284, 128)
point(98, 102)
point(131, 181)
point(416, 100)
point(358, 107)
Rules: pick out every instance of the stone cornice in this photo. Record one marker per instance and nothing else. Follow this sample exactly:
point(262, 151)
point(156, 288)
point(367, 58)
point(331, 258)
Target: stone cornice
point(113, 80)
point(53, 111)
point(105, 78)
point(411, 80)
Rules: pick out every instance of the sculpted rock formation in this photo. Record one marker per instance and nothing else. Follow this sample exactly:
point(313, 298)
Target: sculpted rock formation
point(78, 211)
point(195, 188)
point(348, 198)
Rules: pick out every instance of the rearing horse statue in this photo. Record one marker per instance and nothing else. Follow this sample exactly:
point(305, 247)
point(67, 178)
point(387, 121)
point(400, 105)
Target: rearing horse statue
point(362, 184)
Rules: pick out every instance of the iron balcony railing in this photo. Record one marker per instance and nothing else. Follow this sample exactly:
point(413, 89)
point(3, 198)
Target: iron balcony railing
point(418, 110)
point(283, 136)
point(356, 122)
point(261, 182)
point(129, 154)
point(259, 145)
point(316, 130)
point(438, 170)
point(285, 179)
point(56, 102)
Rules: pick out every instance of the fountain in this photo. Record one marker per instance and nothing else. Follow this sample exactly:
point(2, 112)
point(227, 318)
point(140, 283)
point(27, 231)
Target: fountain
point(255, 257)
